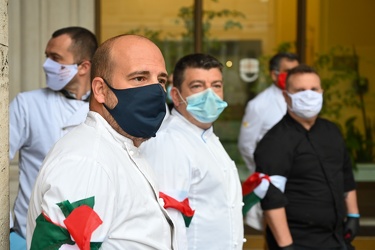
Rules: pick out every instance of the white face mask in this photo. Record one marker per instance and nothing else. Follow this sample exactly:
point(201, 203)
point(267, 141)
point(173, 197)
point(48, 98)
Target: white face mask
point(58, 75)
point(306, 104)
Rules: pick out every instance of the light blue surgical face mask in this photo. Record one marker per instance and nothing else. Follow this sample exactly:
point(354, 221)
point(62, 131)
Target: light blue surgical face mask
point(169, 97)
point(205, 106)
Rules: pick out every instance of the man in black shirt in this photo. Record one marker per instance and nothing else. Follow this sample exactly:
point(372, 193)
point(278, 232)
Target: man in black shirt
point(318, 207)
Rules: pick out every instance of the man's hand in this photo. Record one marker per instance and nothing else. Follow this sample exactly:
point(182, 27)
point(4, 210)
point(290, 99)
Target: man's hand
point(351, 228)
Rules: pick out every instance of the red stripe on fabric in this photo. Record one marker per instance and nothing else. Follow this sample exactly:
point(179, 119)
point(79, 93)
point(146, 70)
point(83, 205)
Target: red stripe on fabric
point(252, 182)
point(182, 206)
point(81, 223)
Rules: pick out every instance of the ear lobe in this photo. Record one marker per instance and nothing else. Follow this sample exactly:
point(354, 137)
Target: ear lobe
point(98, 89)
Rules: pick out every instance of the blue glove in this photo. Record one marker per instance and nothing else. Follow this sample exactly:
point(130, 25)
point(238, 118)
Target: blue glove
point(351, 227)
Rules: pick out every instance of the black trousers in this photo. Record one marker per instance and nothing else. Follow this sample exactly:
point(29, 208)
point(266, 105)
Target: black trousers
point(272, 245)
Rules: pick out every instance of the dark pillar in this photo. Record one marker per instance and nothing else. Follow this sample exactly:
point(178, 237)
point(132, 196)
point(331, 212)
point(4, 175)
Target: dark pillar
point(301, 30)
point(198, 32)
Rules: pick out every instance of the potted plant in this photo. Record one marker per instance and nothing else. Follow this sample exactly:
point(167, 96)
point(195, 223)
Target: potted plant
point(345, 88)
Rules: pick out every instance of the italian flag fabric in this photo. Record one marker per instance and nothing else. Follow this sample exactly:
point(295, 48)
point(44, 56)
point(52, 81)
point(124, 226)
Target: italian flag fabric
point(255, 188)
point(81, 221)
point(182, 206)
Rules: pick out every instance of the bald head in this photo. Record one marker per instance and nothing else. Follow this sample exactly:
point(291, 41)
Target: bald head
point(120, 48)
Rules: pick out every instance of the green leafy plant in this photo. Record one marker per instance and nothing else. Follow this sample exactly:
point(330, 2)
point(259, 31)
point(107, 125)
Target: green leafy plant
point(186, 16)
point(344, 87)
point(175, 46)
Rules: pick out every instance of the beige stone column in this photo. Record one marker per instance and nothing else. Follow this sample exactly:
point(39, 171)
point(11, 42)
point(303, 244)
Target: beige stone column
point(4, 158)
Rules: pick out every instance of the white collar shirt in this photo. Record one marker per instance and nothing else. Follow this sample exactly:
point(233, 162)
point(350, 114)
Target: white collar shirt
point(37, 119)
point(93, 160)
point(261, 114)
point(190, 162)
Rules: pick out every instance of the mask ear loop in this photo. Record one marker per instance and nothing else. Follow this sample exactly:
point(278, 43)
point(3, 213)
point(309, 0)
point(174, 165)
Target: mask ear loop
point(183, 101)
point(290, 107)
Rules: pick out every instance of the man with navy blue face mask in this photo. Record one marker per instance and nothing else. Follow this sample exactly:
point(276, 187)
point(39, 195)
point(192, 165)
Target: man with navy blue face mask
point(199, 183)
point(316, 207)
point(95, 190)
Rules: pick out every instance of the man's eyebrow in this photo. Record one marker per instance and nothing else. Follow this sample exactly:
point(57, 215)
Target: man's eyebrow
point(196, 81)
point(144, 72)
point(54, 54)
point(163, 74)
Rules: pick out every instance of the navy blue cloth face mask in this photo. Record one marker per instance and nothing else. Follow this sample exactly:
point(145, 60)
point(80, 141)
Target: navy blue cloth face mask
point(139, 111)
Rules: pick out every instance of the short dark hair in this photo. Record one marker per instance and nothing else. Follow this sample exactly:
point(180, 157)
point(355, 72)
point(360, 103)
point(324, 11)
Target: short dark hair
point(300, 69)
point(276, 59)
point(102, 63)
point(197, 60)
point(84, 42)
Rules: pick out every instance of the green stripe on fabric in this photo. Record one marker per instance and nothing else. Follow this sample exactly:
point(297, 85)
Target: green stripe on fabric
point(187, 220)
point(67, 207)
point(49, 236)
point(95, 245)
point(249, 201)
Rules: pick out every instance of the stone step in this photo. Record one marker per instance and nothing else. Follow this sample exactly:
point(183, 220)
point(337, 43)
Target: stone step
point(256, 242)
point(364, 241)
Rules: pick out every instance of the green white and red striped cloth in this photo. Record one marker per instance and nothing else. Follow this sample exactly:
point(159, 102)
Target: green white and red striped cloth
point(255, 187)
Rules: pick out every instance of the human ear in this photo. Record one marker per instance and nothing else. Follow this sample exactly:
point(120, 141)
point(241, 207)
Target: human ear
point(99, 90)
point(273, 74)
point(84, 67)
point(175, 97)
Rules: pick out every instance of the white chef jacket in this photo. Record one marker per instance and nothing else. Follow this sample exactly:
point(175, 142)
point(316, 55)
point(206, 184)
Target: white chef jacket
point(94, 160)
point(37, 120)
point(190, 162)
point(261, 114)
